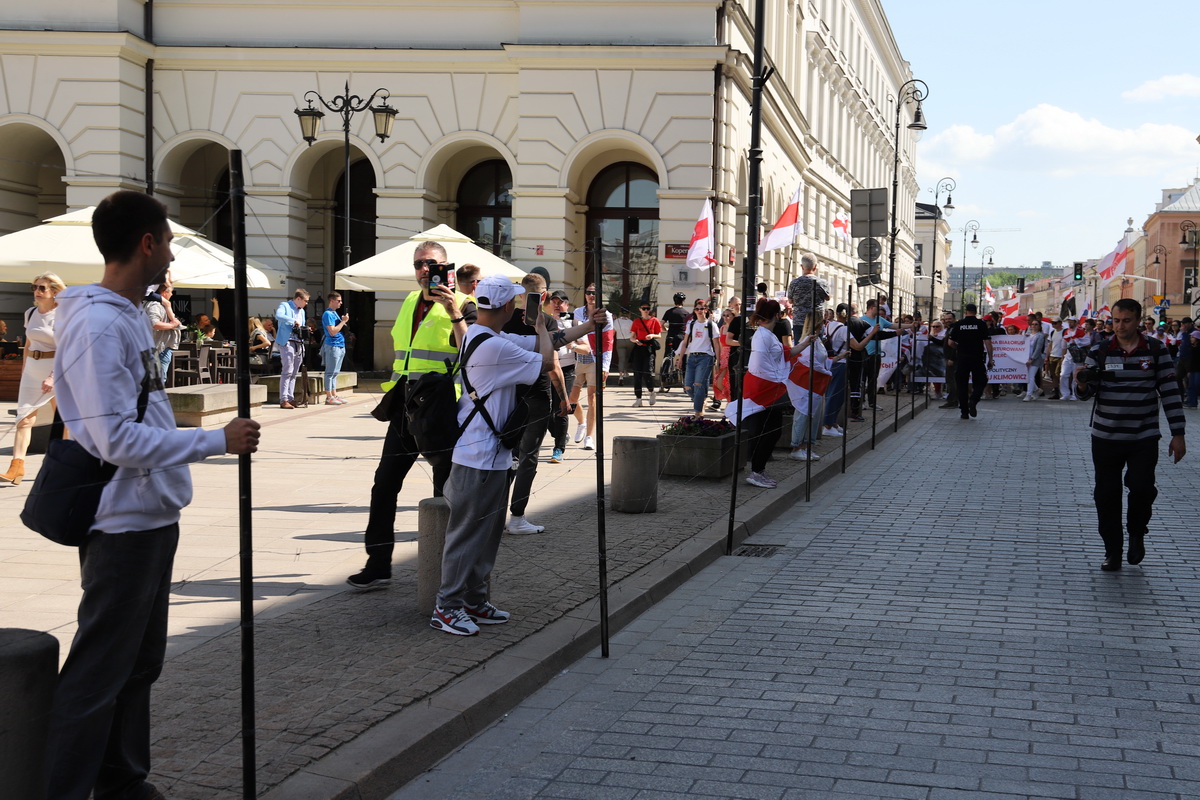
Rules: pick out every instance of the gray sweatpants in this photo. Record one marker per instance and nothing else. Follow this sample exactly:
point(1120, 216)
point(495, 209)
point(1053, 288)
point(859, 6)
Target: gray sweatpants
point(478, 500)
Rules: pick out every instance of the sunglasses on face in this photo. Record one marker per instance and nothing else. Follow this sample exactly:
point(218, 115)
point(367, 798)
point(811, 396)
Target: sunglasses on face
point(426, 262)
point(645, 308)
point(589, 291)
point(39, 288)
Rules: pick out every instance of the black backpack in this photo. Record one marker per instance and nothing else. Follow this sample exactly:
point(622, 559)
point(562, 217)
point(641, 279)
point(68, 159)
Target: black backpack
point(431, 408)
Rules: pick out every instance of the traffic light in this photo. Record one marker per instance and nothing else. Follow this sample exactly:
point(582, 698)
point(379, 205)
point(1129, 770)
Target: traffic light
point(1078, 270)
point(1020, 286)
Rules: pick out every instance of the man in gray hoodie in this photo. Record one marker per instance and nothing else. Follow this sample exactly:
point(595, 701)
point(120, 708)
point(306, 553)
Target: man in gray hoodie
point(100, 723)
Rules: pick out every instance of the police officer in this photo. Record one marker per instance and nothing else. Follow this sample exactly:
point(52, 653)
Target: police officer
point(970, 340)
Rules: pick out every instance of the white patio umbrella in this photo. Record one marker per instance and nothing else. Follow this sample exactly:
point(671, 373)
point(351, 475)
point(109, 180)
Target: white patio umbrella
point(392, 270)
point(64, 245)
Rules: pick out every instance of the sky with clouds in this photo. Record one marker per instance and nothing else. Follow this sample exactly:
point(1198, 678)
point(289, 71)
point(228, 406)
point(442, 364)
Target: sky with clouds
point(1059, 118)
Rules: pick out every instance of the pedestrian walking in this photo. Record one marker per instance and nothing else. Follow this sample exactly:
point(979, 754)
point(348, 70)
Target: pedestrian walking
point(647, 335)
point(1130, 375)
point(699, 347)
point(970, 340)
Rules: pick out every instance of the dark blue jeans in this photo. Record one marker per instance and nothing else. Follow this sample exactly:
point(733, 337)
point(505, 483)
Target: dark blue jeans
point(100, 723)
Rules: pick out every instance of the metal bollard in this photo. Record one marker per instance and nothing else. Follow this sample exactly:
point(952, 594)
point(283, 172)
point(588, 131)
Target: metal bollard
point(433, 514)
point(634, 474)
point(28, 675)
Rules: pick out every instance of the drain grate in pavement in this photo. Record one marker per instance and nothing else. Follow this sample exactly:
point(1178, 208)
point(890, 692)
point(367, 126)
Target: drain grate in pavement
point(757, 550)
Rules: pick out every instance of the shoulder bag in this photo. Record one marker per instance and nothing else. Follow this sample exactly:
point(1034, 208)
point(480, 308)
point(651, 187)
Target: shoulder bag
point(66, 494)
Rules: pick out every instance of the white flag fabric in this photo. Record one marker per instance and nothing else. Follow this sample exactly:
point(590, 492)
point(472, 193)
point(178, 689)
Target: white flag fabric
point(1113, 264)
point(802, 374)
point(786, 229)
point(704, 243)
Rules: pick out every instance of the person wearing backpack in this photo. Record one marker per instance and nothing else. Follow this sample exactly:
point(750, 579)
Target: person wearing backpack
point(477, 488)
point(431, 324)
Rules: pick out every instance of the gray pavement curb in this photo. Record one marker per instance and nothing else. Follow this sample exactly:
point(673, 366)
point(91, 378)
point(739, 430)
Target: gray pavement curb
point(384, 758)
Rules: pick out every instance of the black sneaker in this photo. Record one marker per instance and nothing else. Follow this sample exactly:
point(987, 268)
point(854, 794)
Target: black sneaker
point(370, 578)
point(974, 410)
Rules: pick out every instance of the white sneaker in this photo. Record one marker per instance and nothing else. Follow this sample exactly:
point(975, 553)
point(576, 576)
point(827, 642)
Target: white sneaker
point(1028, 397)
point(653, 399)
point(580, 432)
point(453, 620)
point(835, 432)
point(637, 403)
point(803, 455)
point(522, 525)
point(589, 443)
point(761, 481)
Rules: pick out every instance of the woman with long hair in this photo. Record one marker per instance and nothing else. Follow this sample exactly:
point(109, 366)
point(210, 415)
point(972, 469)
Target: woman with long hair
point(37, 370)
point(721, 393)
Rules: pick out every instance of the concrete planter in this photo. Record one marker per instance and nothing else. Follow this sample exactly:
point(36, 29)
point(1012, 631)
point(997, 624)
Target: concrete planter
point(698, 456)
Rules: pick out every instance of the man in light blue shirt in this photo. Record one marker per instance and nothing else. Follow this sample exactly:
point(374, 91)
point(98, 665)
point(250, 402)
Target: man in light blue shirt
point(886, 330)
point(289, 325)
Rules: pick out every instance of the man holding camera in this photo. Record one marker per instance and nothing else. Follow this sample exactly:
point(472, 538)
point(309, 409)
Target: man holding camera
point(431, 324)
point(290, 327)
point(1129, 374)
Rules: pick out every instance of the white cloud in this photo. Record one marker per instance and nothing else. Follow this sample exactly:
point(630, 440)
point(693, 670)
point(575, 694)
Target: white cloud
point(1054, 142)
point(1164, 87)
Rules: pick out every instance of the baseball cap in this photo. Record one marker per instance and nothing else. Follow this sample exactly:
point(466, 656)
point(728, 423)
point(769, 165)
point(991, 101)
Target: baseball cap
point(495, 291)
point(541, 271)
point(559, 294)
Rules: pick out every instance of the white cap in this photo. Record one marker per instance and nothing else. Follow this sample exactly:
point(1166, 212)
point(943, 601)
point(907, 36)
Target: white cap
point(495, 291)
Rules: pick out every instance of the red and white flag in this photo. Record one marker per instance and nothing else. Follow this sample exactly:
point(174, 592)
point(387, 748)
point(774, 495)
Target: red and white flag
point(1114, 263)
point(786, 229)
point(704, 243)
point(841, 226)
point(802, 372)
point(1070, 293)
point(758, 394)
point(1103, 312)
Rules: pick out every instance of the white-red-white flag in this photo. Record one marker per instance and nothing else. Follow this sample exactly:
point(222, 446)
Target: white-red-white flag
point(704, 242)
point(786, 229)
point(841, 226)
point(1113, 264)
point(803, 373)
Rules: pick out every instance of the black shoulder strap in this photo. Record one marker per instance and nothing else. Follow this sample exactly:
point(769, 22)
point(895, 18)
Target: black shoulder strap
point(479, 402)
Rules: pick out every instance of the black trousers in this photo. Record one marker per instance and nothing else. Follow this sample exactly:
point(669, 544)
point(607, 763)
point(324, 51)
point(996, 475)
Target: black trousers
point(854, 386)
point(100, 721)
point(400, 452)
point(970, 370)
point(871, 378)
point(538, 423)
point(763, 430)
point(643, 371)
point(557, 426)
point(1137, 459)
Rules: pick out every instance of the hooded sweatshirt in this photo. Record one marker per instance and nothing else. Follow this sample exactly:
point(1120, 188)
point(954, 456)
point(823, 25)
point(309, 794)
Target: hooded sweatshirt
point(105, 351)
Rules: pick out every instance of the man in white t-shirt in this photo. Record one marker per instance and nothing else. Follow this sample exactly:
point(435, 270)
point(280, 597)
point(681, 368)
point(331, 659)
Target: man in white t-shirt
point(477, 488)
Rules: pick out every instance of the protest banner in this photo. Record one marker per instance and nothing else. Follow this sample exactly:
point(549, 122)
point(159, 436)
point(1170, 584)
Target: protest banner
point(930, 363)
point(1009, 355)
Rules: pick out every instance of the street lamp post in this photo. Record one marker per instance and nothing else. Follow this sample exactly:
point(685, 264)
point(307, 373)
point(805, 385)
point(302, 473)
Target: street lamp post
point(347, 105)
point(949, 185)
point(971, 228)
point(1186, 227)
point(987, 253)
point(1160, 250)
point(912, 90)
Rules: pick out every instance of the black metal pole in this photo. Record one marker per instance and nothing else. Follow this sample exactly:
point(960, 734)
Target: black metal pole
point(750, 263)
point(812, 369)
point(848, 390)
point(601, 531)
point(237, 197)
point(346, 193)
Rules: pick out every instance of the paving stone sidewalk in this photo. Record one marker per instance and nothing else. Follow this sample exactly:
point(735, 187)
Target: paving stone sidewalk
point(332, 664)
point(934, 626)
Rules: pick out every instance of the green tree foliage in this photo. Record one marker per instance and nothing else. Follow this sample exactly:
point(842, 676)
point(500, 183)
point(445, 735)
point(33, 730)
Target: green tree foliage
point(1005, 278)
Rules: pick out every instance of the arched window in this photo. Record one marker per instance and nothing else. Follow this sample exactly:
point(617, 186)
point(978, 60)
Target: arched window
point(622, 234)
point(485, 207)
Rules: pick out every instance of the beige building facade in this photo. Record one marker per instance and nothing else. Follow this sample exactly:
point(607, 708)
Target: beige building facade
point(578, 135)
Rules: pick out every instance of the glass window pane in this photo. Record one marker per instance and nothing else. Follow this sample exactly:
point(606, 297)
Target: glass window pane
point(608, 190)
point(480, 229)
point(487, 184)
point(643, 188)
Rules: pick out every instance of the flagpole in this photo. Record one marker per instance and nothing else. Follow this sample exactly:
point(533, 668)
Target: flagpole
point(750, 263)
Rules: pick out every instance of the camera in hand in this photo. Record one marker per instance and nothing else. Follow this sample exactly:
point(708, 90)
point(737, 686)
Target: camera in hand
point(1089, 383)
point(442, 275)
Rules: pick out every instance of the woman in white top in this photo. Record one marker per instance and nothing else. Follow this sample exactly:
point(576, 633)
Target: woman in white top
point(699, 345)
point(37, 370)
point(764, 394)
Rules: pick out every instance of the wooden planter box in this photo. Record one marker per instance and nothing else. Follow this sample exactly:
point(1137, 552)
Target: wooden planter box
point(698, 456)
point(10, 380)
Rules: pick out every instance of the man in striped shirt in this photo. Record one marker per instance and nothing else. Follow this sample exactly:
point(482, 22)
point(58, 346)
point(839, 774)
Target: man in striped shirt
point(1131, 373)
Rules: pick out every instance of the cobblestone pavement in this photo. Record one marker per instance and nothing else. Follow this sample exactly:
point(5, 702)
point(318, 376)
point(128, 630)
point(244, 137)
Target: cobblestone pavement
point(934, 625)
point(331, 663)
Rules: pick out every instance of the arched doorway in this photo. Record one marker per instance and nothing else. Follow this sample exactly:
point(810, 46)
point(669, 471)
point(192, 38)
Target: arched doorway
point(485, 207)
point(360, 341)
point(622, 234)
